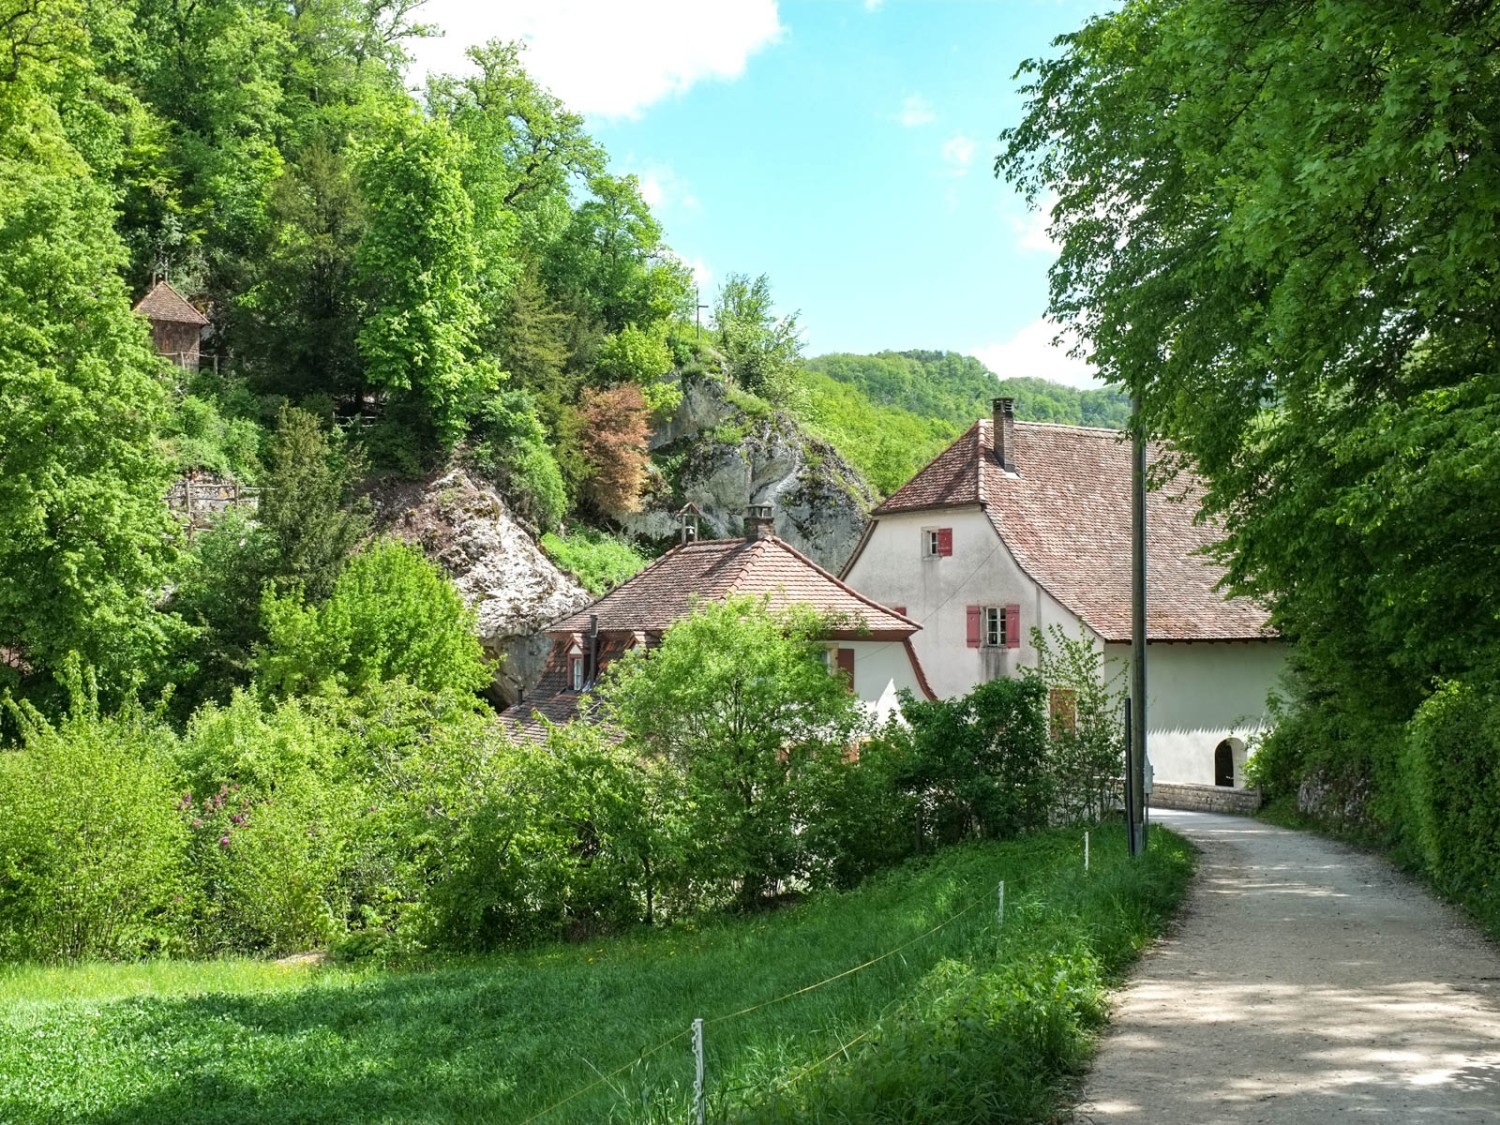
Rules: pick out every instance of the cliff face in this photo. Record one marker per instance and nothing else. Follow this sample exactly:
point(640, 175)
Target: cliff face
point(722, 457)
point(516, 591)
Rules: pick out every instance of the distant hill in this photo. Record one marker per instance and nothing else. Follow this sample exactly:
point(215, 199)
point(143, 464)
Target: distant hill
point(890, 413)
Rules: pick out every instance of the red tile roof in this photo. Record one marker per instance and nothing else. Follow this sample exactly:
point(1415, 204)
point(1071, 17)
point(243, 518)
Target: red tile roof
point(714, 569)
point(165, 303)
point(1065, 516)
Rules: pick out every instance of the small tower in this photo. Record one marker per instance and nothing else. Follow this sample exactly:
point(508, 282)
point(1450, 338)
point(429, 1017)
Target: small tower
point(687, 521)
point(176, 327)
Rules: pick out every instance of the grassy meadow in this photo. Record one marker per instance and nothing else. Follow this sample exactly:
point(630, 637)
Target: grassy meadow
point(958, 1018)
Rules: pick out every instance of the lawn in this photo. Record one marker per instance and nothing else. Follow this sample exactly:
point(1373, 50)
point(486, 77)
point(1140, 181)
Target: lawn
point(959, 1017)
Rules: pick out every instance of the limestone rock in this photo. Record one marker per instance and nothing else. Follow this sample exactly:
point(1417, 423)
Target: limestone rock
point(515, 589)
point(724, 458)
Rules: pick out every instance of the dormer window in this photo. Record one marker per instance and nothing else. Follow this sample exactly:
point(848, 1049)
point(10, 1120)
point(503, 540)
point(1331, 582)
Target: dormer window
point(575, 673)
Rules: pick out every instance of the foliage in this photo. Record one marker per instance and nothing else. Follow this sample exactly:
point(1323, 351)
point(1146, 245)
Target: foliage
point(739, 699)
point(201, 437)
point(968, 1023)
point(979, 763)
point(1086, 722)
point(1453, 790)
point(84, 537)
point(306, 507)
point(614, 426)
point(1276, 225)
point(417, 271)
point(636, 356)
point(599, 560)
point(92, 854)
point(391, 613)
point(513, 445)
point(760, 349)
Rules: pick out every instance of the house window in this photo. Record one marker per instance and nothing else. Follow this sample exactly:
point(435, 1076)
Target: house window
point(846, 665)
point(994, 626)
point(575, 672)
point(937, 542)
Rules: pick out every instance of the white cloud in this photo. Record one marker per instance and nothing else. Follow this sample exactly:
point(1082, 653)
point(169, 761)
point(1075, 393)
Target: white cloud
point(916, 110)
point(871, 5)
point(664, 190)
point(1031, 229)
point(1031, 352)
point(958, 153)
point(605, 57)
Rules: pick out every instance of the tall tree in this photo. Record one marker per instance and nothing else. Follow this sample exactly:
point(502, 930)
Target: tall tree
point(84, 532)
point(761, 349)
point(1278, 224)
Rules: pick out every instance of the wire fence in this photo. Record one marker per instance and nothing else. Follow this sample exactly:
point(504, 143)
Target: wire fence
point(686, 1033)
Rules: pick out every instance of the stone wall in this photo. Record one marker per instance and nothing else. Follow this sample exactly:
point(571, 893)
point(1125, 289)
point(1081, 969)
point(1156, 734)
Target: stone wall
point(1205, 798)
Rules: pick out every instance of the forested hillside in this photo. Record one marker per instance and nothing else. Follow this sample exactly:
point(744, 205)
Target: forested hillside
point(891, 412)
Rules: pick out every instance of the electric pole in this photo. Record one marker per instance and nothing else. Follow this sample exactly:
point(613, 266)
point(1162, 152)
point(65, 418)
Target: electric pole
point(1135, 743)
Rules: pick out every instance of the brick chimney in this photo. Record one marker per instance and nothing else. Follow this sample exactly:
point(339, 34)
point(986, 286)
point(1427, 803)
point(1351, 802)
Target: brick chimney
point(1005, 433)
point(759, 522)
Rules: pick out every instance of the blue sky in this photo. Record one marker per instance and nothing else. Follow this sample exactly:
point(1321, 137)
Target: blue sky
point(842, 147)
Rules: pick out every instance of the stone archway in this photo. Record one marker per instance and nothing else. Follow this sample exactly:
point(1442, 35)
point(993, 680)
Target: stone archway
point(1224, 764)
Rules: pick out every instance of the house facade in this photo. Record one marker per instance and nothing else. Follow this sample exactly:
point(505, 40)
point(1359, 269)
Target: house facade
point(868, 643)
point(1019, 525)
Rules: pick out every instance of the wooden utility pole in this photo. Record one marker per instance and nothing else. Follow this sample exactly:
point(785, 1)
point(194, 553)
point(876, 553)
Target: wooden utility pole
point(1135, 765)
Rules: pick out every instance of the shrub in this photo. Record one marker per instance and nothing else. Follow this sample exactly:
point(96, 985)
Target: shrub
point(1453, 789)
point(92, 853)
point(271, 812)
point(600, 561)
point(513, 445)
point(392, 613)
point(980, 763)
point(1086, 716)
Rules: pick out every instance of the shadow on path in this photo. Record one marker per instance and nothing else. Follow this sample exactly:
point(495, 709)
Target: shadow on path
point(1304, 982)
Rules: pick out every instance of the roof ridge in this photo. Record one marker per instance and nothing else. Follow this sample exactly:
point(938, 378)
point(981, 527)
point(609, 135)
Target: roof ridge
point(1069, 426)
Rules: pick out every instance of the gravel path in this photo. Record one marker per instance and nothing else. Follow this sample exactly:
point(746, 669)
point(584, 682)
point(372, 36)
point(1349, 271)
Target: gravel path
point(1303, 982)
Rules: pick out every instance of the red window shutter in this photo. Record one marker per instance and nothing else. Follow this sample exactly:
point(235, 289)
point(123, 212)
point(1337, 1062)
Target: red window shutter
point(846, 665)
point(945, 541)
point(1012, 626)
point(972, 613)
point(901, 609)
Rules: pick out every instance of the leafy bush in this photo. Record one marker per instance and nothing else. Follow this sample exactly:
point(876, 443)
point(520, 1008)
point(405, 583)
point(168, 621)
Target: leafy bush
point(391, 613)
point(613, 427)
point(270, 811)
point(1086, 721)
point(600, 561)
point(980, 763)
point(1452, 785)
point(92, 852)
point(513, 445)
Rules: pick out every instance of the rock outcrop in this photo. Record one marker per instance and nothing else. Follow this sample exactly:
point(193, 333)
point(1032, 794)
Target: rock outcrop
point(723, 457)
point(516, 591)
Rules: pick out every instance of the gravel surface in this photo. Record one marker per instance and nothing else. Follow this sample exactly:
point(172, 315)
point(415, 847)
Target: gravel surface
point(1303, 982)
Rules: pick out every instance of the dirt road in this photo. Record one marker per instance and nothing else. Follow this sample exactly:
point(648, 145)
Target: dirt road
point(1304, 983)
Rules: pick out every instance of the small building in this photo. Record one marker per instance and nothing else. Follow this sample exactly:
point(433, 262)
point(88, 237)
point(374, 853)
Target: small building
point(871, 643)
point(1022, 524)
point(176, 327)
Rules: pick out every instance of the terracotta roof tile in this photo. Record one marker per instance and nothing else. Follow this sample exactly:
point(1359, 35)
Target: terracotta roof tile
point(714, 569)
point(1065, 516)
point(165, 303)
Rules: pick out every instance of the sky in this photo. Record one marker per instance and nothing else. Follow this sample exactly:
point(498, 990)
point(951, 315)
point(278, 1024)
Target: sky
point(844, 148)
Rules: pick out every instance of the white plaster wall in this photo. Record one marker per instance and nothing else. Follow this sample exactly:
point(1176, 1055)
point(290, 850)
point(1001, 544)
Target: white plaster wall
point(936, 591)
point(1199, 694)
point(881, 669)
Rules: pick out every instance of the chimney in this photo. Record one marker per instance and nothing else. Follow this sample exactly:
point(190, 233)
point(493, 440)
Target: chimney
point(759, 523)
point(1005, 433)
point(591, 673)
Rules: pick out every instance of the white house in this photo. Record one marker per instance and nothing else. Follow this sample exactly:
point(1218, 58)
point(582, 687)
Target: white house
point(1022, 524)
point(867, 642)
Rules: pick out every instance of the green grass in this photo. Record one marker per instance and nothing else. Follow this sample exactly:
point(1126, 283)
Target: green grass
point(964, 1021)
point(600, 561)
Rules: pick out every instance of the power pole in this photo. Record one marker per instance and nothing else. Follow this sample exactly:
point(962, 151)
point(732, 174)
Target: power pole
point(1135, 745)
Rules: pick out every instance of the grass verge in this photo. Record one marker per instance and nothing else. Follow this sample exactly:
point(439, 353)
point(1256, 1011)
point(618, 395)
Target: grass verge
point(953, 1018)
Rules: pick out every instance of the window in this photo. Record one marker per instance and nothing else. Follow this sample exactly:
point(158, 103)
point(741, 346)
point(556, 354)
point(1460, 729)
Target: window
point(937, 542)
point(846, 665)
point(575, 672)
point(994, 626)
